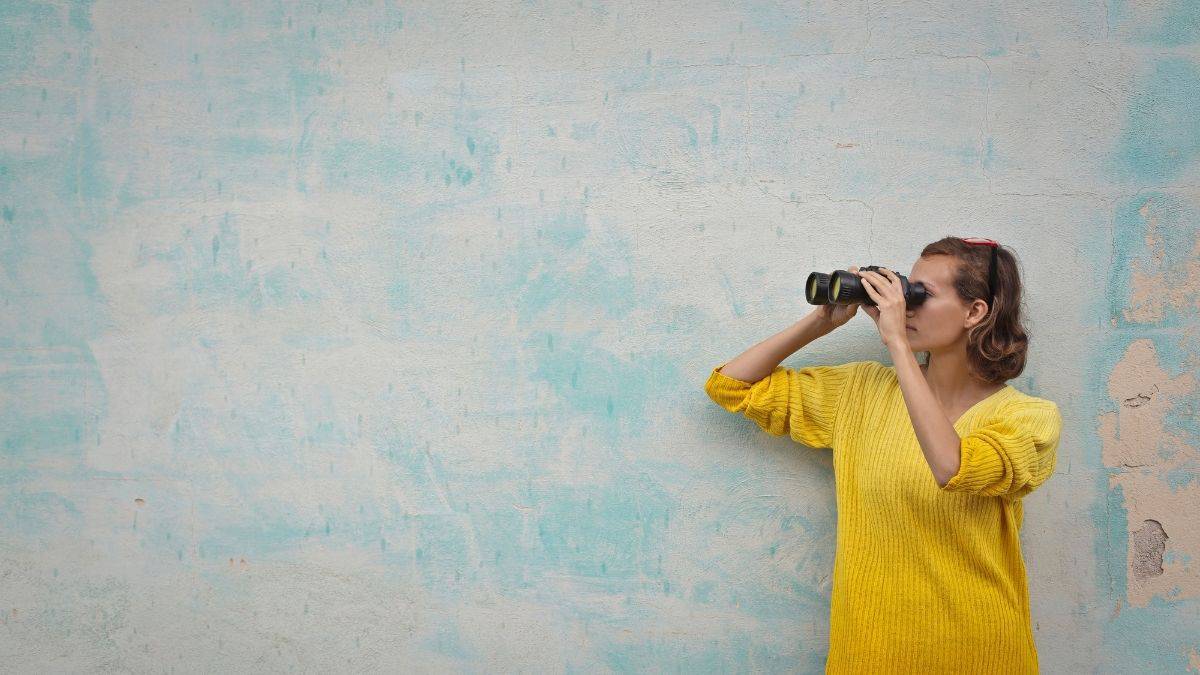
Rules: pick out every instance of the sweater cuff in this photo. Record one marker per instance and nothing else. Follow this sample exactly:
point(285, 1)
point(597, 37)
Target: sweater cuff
point(729, 393)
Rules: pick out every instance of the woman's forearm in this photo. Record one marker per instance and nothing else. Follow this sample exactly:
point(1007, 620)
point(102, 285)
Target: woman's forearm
point(761, 360)
point(935, 432)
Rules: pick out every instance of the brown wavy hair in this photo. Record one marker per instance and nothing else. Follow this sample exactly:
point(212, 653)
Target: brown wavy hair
point(996, 345)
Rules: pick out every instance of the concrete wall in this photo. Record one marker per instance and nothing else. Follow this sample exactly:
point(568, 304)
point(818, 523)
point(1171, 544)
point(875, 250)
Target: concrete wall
point(352, 335)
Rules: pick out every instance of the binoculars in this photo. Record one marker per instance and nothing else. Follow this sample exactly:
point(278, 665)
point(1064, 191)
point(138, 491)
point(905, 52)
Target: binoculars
point(845, 288)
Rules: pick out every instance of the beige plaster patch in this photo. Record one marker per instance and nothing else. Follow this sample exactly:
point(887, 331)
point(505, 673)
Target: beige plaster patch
point(1164, 546)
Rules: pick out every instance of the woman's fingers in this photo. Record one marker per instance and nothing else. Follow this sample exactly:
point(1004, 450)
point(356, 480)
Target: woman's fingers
point(885, 285)
point(868, 284)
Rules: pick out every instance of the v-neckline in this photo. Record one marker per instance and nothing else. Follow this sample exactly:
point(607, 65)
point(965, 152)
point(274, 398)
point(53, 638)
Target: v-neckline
point(978, 403)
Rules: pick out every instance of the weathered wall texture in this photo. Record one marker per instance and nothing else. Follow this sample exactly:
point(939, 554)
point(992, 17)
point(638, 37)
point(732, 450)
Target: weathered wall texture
point(346, 335)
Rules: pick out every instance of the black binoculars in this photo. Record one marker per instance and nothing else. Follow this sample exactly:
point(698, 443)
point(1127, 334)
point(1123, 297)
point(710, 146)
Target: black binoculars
point(845, 288)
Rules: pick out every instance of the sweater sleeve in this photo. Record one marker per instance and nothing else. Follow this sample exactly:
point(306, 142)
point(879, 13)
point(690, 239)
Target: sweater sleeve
point(801, 403)
point(1011, 454)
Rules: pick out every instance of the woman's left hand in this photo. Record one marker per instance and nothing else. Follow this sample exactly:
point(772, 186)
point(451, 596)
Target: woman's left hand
point(889, 313)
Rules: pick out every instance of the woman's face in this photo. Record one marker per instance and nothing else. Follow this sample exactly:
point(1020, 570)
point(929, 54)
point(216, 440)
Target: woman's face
point(943, 318)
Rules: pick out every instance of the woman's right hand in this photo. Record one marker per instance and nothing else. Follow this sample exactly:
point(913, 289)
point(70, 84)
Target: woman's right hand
point(838, 315)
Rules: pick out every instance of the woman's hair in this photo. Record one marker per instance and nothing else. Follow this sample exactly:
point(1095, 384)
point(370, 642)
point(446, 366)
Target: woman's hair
point(996, 345)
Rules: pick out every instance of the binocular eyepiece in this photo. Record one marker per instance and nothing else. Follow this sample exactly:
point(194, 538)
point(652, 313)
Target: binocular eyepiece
point(845, 288)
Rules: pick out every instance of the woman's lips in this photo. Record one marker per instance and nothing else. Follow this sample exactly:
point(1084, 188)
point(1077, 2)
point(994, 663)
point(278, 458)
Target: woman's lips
point(910, 328)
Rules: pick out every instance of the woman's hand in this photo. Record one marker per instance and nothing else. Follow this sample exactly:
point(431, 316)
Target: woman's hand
point(889, 313)
point(838, 315)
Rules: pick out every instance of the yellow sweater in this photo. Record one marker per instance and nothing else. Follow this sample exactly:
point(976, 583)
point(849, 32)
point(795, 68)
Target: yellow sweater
point(925, 579)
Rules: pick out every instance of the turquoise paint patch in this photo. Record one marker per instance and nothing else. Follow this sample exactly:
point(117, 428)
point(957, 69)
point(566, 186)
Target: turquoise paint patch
point(360, 163)
point(702, 591)
point(78, 304)
point(52, 395)
point(584, 132)
point(967, 155)
point(419, 469)
point(443, 554)
point(309, 84)
point(224, 17)
point(263, 421)
point(29, 434)
point(80, 16)
point(40, 515)
point(1173, 557)
point(1162, 134)
point(538, 280)
point(252, 534)
point(448, 640)
point(247, 147)
point(1175, 224)
point(84, 176)
point(609, 532)
point(210, 271)
point(462, 173)
point(1177, 24)
point(399, 294)
point(1111, 550)
point(1148, 639)
point(384, 166)
point(500, 533)
point(1182, 477)
point(732, 651)
point(235, 520)
point(650, 135)
point(614, 397)
point(760, 515)
point(693, 137)
point(303, 152)
point(1182, 422)
point(321, 423)
point(22, 27)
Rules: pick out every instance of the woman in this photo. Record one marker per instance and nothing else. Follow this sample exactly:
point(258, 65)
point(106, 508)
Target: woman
point(930, 462)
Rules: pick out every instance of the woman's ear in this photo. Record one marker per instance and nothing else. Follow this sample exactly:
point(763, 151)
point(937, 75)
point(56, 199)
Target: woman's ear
point(977, 312)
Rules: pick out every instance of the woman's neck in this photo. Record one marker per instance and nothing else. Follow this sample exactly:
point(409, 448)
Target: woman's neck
point(950, 379)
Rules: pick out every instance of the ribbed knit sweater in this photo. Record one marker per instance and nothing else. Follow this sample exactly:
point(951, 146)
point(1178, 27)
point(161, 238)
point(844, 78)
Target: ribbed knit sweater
point(926, 579)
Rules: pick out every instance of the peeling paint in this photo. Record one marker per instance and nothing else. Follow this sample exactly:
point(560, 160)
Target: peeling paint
point(1144, 452)
point(1148, 544)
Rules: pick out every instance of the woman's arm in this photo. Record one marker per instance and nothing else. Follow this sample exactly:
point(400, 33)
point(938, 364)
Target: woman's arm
point(939, 441)
point(761, 360)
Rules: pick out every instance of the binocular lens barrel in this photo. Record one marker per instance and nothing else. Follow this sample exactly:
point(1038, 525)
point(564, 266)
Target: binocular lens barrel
point(846, 288)
point(817, 289)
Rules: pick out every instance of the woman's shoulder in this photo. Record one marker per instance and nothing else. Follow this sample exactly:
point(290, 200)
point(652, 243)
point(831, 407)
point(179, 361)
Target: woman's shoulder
point(1026, 408)
point(1019, 398)
point(1040, 416)
point(876, 371)
point(873, 374)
